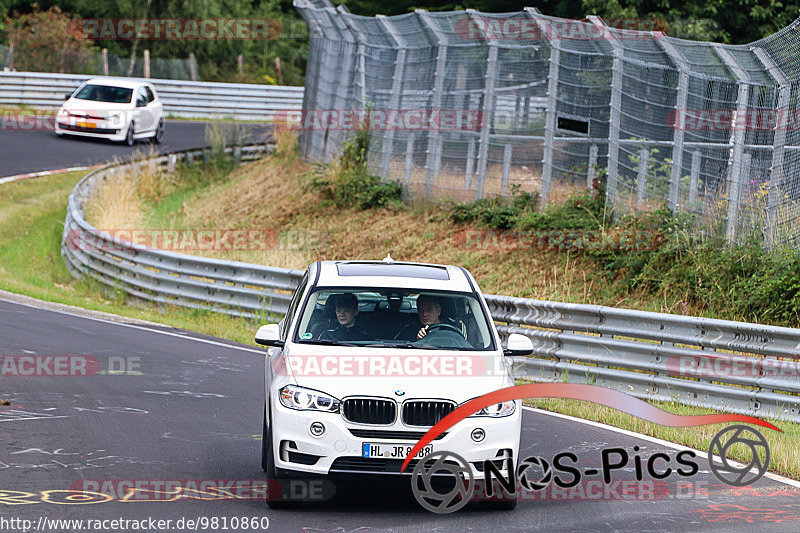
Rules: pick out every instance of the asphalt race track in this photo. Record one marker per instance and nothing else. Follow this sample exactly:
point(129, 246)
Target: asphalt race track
point(190, 409)
point(24, 151)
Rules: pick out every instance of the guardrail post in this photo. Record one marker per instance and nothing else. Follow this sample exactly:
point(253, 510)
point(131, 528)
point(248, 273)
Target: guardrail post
point(11, 56)
point(552, 105)
point(697, 157)
point(192, 67)
point(641, 177)
point(434, 158)
point(147, 63)
point(591, 170)
point(776, 171)
point(738, 125)
point(397, 88)
point(104, 54)
point(615, 111)
point(506, 165)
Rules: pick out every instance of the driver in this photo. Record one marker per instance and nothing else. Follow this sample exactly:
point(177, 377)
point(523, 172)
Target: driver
point(346, 329)
point(429, 310)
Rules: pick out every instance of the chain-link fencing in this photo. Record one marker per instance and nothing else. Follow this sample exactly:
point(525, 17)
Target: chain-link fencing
point(463, 105)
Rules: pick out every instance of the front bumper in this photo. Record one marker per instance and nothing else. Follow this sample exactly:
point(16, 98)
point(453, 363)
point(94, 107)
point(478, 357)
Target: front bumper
point(339, 449)
point(112, 134)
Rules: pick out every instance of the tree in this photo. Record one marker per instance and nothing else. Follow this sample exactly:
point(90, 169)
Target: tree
point(48, 41)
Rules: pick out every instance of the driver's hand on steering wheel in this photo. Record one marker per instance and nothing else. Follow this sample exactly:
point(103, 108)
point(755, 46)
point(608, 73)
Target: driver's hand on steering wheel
point(422, 332)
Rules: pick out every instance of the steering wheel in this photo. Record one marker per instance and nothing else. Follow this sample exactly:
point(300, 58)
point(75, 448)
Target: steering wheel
point(445, 327)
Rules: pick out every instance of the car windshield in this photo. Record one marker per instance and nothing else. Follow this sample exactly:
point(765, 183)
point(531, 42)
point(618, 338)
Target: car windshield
point(105, 93)
point(394, 318)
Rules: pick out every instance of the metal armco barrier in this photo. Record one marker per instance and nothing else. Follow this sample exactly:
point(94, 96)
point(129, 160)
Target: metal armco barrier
point(730, 366)
point(230, 287)
point(187, 99)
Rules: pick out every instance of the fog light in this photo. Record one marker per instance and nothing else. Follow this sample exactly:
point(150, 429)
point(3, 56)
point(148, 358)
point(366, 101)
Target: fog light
point(478, 434)
point(317, 429)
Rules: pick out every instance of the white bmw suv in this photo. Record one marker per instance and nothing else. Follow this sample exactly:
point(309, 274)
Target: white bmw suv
point(372, 354)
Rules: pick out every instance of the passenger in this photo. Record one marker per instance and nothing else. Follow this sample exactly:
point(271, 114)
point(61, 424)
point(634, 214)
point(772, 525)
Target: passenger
point(429, 311)
point(347, 329)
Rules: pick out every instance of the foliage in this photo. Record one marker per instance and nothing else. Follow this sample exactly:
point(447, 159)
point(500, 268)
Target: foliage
point(350, 184)
point(48, 41)
point(497, 212)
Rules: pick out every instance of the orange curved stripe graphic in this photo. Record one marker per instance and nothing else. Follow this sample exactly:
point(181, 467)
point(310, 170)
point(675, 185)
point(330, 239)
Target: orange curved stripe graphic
point(590, 393)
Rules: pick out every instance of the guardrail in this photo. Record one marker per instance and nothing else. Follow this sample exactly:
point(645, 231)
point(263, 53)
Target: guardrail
point(730, 366)
point(188, 99)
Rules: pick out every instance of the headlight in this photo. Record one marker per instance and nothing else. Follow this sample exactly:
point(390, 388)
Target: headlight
point(62, 113)
point(497, 410)
point(115, 119)
point(303, 399)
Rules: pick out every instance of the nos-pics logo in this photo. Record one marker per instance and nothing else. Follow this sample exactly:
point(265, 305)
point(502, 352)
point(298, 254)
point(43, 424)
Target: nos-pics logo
point(443, 482)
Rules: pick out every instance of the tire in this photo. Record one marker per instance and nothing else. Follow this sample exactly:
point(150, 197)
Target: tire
point(268, 465)
point(158, 138)
point(129, 140)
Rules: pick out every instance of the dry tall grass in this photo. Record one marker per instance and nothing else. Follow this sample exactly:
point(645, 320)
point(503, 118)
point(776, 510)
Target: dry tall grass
point(115, 204)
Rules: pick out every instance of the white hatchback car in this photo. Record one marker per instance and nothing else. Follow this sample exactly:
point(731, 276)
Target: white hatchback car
point(117, 109)
point(372, 354)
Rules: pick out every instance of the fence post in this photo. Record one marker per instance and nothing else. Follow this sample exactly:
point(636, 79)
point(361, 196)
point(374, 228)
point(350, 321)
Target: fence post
point(397, 87)
point(641, 177)
point(409, 157)
point(434, 159)
point(11, 56)
point(776, 171)
point(591, 171)
point(615, 109)
point(147, 63)
point(104, 54)
point(735, 190)
point(488, 108)
point(552, 104)
point(697, 156)
point(680, 114)
point(240, 64)
point(470, 163)
point(507, 153)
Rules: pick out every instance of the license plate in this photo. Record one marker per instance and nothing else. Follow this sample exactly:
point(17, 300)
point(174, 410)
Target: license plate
point(87, 125)
point(392, 451)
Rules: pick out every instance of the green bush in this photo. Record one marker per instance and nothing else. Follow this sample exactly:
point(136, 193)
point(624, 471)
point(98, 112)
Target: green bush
point(497, 212)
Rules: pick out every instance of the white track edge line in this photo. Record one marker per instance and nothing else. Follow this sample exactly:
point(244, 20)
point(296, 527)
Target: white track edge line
point(655, 440)
point(9, 179)
point(135, 326)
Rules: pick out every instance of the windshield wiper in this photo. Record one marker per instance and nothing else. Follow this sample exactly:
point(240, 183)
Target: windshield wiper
point(406, 345)
point(328, 342)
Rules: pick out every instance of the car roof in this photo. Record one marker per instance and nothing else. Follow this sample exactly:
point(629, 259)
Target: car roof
point(400, 274)
point(127, 83)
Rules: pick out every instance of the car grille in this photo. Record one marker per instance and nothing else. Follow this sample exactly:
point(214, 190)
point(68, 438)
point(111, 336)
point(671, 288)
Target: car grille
point(369, 411)
point(380, 466)
point(383, 434)
point(425, 413)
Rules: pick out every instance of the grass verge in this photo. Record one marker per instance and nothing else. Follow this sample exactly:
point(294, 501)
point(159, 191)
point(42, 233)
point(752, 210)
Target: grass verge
point(31, 222)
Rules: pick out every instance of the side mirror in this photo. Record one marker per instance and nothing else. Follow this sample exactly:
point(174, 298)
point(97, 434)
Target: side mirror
point(269, 335)
point(67, 96)
point(518, 345)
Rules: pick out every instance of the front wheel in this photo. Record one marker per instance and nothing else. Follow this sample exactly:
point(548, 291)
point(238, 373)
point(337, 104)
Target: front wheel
point(158, 138)
point(268, 465)
point(129, 136)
